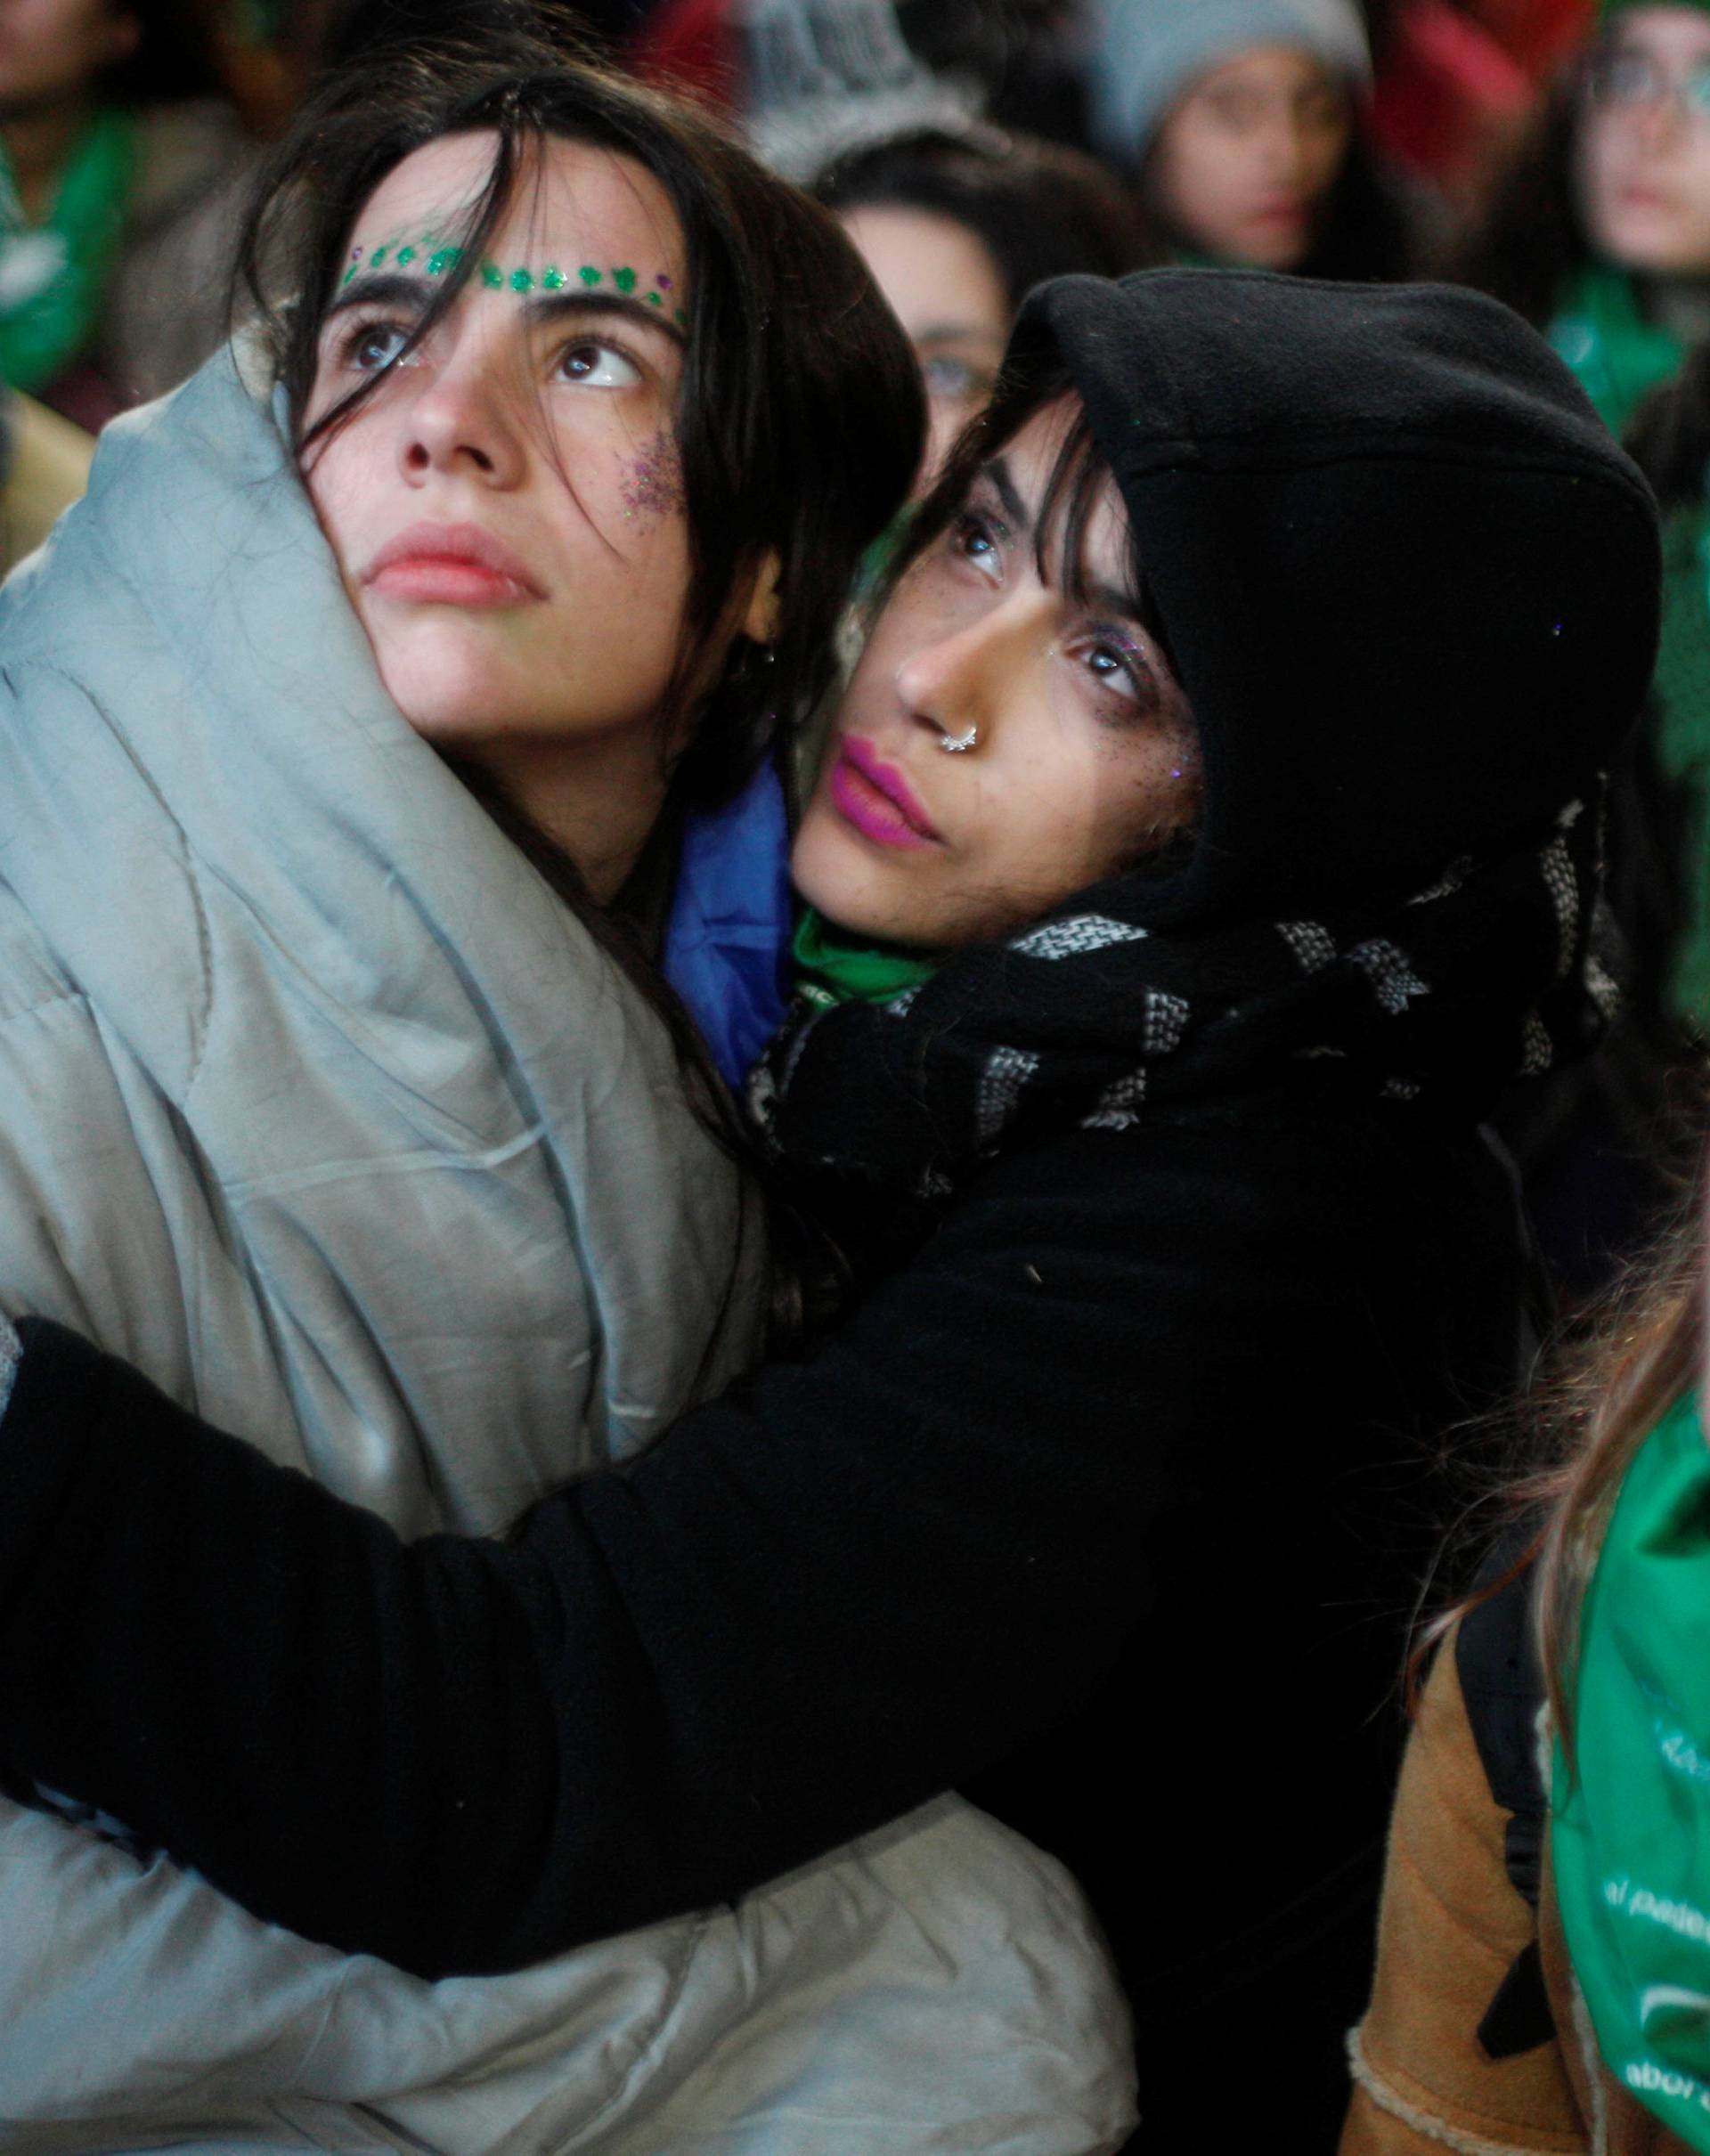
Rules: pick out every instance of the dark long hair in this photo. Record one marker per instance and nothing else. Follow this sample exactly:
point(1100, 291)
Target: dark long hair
point(800, 414)
point(798, 407)
point(1039, 209)
point(1531, 238)
point(1366, 234)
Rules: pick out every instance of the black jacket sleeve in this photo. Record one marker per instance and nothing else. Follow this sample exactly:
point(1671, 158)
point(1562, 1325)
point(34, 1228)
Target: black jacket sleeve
point(814, 1603)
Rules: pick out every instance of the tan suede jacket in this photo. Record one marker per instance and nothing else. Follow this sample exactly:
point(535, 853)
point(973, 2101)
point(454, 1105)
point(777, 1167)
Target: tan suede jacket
point(1452, 1926)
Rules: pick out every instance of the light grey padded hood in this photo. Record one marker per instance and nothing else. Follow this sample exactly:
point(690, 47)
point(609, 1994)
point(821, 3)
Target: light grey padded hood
point(317, 1106)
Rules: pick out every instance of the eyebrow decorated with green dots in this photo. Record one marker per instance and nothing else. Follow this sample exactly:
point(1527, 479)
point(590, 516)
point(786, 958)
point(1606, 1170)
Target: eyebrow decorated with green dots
point(434, 256)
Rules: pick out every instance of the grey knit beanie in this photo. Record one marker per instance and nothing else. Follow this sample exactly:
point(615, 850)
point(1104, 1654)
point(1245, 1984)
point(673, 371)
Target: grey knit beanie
point(1142, 54)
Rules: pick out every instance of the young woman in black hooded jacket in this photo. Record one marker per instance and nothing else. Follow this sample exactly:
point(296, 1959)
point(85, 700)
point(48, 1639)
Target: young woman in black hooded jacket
point(1295, 623)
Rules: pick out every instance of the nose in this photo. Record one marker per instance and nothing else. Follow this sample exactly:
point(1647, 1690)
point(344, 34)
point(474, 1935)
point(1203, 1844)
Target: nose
point(1658, 119)
point(463, 421)
point(1284, 144)
point(963, 674)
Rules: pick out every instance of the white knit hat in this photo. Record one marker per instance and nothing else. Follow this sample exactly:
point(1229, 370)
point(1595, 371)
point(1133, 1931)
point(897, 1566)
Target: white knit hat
point(1142, 54)
point(825, 74)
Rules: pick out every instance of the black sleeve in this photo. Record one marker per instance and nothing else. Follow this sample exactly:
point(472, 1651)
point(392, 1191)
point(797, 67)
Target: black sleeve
point(814, 1603)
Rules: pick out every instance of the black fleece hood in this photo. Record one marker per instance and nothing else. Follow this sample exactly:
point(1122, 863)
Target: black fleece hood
point(1410, 582)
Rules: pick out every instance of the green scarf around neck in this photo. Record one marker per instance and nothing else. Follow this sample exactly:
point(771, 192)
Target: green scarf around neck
point(1631, 1817)
point(833, 966)
point(53, 276)
point(1618, 356)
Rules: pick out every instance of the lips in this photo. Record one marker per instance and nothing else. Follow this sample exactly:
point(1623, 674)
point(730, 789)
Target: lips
point(874, 797)
point(450, 564)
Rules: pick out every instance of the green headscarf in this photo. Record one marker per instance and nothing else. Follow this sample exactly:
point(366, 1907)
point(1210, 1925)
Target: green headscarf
point(53, 276)
point(1630, 1833)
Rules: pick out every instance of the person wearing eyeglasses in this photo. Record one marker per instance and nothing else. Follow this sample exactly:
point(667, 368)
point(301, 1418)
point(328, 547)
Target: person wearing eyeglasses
point(1598, 231)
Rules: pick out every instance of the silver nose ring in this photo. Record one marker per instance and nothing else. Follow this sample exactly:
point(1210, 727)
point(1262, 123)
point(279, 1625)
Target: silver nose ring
point(958, 744)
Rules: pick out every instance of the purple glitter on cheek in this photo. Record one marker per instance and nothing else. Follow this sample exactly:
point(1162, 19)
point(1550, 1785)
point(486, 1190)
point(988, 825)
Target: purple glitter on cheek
point(653, 486)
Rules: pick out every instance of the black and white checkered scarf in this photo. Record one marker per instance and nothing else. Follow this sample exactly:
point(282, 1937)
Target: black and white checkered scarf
point(1092, 1018)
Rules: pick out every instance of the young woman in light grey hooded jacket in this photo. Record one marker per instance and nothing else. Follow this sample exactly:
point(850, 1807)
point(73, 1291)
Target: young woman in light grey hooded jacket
point(387, 671)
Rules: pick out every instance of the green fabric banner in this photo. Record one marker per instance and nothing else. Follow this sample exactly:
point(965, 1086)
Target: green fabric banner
point(53, 275)
point(1618, 356)
point(1631, 1832)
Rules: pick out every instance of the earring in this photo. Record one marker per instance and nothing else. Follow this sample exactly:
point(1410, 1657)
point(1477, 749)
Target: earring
point(957, 744)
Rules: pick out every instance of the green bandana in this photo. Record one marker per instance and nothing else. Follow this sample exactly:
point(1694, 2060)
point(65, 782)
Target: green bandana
point(1618, 356)
point(53, 276)
point(832, 967)
point(1632, 1826)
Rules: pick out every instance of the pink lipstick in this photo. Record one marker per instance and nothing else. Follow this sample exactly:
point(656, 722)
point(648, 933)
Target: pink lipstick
point(450, 564)
point(876, 798)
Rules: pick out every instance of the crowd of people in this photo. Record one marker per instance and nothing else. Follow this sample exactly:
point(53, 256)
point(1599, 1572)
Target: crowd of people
point(854, 971)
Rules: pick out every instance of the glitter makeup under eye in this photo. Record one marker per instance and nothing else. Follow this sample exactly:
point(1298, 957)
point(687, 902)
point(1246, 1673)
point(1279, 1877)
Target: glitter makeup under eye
point(653, 486)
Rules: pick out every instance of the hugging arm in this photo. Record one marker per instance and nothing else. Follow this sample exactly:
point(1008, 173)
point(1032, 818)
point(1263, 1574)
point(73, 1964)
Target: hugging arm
point(815, 1602)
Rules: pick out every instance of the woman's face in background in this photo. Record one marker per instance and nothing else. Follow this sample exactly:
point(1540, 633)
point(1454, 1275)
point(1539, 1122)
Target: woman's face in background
point(506, 507)
point(1643, 145)
point(52, 50)
point(943, 285)
point(1244, 163)
point(1081, 753)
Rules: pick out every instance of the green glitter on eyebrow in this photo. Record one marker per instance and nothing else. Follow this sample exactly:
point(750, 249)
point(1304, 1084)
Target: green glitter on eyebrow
point(680, 317)
point(436, 259)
